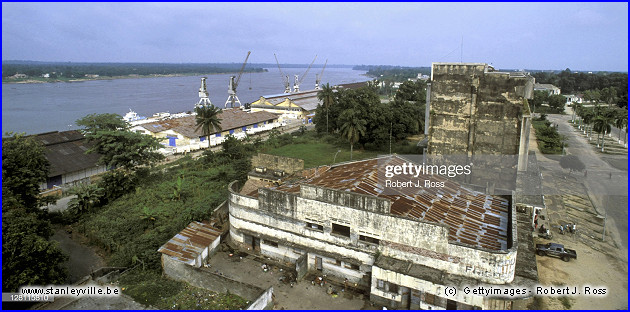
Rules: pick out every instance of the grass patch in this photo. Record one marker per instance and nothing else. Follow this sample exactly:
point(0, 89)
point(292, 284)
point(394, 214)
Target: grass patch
point(150, 288)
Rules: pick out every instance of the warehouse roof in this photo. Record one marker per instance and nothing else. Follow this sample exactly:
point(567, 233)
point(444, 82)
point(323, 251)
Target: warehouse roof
point(66, 151)
point(230, 119)
point(473, 218)
point(307, 100)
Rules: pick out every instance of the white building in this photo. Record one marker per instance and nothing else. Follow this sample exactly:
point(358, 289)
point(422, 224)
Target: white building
point(406, 247)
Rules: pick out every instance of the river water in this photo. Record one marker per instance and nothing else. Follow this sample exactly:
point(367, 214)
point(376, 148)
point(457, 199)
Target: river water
point(42, 107)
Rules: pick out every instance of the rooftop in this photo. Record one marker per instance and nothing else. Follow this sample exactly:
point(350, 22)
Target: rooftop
point(66, 151)
point(190, 242)
point(230, 119)
point(474, 218)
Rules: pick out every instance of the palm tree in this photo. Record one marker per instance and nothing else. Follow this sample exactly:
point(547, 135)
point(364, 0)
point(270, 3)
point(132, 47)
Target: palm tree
point(601, 125)
point(587, 116)
point(621, 121)
point(207, 119)
point(327, 96)
point(88, 196)
point(352, 126)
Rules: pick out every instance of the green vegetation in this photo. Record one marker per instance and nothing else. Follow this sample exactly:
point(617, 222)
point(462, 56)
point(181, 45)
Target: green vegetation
point(383, 122)
point(117, 146)
point(149, 287)
point(548, 139)
point(601, 86)
point(554, 103)
point(207, 119)
point(71, 71)
point(28, 257)
point(599, 119)
point(393, 73)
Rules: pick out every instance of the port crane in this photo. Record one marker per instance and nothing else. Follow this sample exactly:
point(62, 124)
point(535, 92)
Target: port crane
point(318, 78)
point(285, 78)
point(298, 81)
point(234, 80)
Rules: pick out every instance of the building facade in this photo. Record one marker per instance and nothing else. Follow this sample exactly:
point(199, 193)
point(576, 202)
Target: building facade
point(406, 247)
point(483, 116)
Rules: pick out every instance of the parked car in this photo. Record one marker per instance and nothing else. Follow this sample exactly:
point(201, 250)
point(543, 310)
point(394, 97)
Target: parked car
point(556, 250)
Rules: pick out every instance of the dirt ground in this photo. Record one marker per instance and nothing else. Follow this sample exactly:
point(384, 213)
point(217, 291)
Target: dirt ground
point(300, 296)
point(599, 263)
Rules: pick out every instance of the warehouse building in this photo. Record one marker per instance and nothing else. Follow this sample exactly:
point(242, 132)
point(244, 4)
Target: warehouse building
point(181, 134)
point(69, 163)
point(405, 245)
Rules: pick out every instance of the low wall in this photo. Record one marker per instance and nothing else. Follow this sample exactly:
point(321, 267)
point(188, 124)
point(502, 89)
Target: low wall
point(264, 301)
point(204, 278)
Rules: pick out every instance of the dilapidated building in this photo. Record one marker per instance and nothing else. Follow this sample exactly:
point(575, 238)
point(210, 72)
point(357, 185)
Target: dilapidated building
point(482, 115)
point(407, 246)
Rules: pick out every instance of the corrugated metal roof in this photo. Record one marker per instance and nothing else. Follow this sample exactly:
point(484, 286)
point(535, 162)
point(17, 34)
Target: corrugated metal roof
point(66, 152)
point(307, 100)
point(190, 242)
point(474, 218)
point(230, 119)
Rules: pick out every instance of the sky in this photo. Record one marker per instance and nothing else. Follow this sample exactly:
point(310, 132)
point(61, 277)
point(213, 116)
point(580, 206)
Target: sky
point(579, 36)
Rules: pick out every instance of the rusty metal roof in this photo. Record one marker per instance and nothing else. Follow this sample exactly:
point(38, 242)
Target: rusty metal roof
point(190, 242)
point(473, 218)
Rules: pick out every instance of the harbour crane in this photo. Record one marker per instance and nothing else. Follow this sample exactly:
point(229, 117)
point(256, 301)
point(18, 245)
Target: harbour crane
point(234, 80)
point(296, 84)
point(318, 78)
point(285, 78)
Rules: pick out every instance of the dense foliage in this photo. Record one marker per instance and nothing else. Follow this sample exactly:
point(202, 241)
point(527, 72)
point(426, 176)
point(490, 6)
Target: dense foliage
point(547, 136)
point(393, 73)
point(397, 119)
point(78, 70)
point(555, 102)
point(28, 257)
point(24, 167)
point(601, 86)
point(118, 146)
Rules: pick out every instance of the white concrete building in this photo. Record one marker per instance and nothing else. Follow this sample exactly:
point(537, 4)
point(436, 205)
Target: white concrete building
point(405, 246)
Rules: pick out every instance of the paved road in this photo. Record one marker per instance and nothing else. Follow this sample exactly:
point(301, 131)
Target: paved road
point(607, 186)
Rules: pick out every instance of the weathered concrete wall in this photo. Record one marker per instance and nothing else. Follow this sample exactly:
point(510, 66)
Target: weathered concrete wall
point(284, 217)
point(203, 278)
point(264, 301)
point(288, 164)
point(419, 284)
point(475, 111)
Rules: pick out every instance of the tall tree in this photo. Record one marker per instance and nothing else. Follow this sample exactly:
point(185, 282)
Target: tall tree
point(118, 146)
point(327, 96)
point(24, 168)
point(207, 119)
point(601, 125)
point(352, 126)
point(621, 121)
point(93, 123)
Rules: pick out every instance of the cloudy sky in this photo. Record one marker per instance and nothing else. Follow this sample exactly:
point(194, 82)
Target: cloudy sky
point(579, 36)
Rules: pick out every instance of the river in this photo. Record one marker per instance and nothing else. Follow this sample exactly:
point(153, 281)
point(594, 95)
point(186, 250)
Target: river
point(43, 107)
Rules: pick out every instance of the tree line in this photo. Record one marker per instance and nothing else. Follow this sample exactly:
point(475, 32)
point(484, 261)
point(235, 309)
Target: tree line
point(610, 87)
point(359, 116)
point(78, 70)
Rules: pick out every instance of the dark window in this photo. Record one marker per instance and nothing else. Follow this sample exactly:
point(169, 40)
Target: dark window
point(368, 239)
point(271, 243)
point(337, 262)
point(351, 266)
point(341, 230)
point(387, 286)
point(314, 226)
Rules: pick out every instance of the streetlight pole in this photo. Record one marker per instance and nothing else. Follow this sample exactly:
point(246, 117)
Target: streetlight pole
point(334, 159)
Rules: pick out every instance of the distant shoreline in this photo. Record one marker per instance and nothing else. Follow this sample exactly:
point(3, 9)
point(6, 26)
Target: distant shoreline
point(48, 80)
